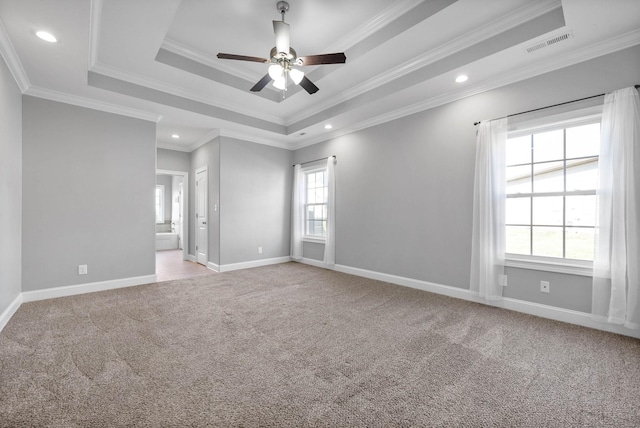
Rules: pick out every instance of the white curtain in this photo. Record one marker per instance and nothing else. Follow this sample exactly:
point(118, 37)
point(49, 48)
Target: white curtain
point(615, 266)
point(297, 213)
point(488, 239)
point(330, 239)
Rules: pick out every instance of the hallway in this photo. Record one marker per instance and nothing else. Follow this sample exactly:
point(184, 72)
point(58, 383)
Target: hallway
point(170, 266)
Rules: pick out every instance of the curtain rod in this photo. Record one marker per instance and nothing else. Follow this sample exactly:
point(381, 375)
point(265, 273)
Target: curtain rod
point(316, 160)
point(551, 106)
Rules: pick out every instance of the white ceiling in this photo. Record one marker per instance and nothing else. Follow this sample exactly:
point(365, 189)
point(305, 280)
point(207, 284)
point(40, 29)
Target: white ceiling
point(156, 59)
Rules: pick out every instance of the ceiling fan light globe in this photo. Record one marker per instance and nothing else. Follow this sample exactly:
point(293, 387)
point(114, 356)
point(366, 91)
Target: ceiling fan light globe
point(275, 71)
point(280, 83)
point(296, 75)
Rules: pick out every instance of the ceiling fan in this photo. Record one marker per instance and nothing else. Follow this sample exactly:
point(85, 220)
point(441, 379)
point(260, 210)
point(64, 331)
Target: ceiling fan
point(283, 58)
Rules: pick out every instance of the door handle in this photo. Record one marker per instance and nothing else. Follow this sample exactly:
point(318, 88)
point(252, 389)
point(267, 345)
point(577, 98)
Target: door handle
point(204, 222)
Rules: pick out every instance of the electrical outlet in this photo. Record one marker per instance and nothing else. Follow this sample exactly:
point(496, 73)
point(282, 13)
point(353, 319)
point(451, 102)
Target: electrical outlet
point(82, 269)
point(544, 286)
point(259, 250)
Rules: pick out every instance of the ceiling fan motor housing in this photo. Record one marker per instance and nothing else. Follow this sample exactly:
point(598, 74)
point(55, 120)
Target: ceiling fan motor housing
point(282, 7)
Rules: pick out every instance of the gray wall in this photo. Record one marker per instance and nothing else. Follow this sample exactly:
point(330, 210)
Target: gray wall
point(404, 189)
point(167, 182)
point(10, 188)
point(206, 155)
point(88, 186)
point(255, 201)
point(173, 160)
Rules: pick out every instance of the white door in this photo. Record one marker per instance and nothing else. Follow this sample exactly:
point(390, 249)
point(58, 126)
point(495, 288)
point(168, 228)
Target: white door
point(201, 216)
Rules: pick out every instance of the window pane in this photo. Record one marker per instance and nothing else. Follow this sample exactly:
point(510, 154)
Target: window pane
point(547, 210)
point(580, 243)
point(518, 240)
point(548, 177)
point(518, 211)
point(547, 241)
point(581, 210)
point(319, 197)
point(519, 179)
point(311, 180)
point(548, 146)
point(583, 141)
point(582, 174)
point(518, 150)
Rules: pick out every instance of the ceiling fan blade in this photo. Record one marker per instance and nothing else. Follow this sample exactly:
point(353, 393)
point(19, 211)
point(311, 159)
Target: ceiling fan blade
point(332, 58)
point(242, 57)
point(281, 29)
point(262, 83)
point(308, 85)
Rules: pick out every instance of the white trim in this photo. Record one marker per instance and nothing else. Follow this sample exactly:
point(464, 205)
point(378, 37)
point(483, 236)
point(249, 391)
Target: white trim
point(192, 258)
point(95, 17)
point(63, 97)
point(537, 309)
point(13, 61)
point(91, 287)
point(185, 207)
point(314, 239)
point(6, 315)
point(214, 267)
point(546, 266)
point(527, 71)
point(253, 263)
point(140, 80)
point(316, 263)
point(397, 9)
point(498, 26)
point(188, 52)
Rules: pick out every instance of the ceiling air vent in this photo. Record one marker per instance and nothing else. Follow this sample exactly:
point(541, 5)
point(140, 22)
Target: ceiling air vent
point(551, 41)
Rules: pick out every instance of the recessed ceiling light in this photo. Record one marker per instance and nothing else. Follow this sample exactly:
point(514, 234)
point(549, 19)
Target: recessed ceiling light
point(462, 78)
point(47, 37)
point(175, 136)
point(328, 126)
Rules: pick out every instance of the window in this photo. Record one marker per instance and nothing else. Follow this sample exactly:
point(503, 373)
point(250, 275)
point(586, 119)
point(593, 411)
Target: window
point(159, 203)
point(315, 206)
point(551, 175)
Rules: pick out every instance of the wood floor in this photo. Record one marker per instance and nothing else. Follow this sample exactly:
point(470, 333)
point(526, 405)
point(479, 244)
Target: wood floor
point(170, 266)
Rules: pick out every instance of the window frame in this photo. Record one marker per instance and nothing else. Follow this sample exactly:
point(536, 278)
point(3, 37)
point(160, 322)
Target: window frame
point(160, 187)
point(548, 123)
point(305, 173)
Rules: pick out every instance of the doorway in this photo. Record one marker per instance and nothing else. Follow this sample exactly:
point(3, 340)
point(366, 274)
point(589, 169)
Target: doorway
point(176, 207)
point(201, 243)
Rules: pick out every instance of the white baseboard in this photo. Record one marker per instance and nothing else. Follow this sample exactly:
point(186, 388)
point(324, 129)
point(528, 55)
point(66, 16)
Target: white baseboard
point(537, 309)
point(192, 258)
point(316, 263)
point(214, 267)
point(254, 263)
point(6, 315)
point(72, 290)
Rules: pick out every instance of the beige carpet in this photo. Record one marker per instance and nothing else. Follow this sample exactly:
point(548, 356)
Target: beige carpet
point(291, 345)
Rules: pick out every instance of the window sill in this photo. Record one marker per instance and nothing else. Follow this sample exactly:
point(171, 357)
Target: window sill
point(577, 268)
point(314, 240)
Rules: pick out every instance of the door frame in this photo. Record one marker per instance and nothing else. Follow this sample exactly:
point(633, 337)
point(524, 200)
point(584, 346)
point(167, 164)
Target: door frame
point(206, 213)
point(185, 208)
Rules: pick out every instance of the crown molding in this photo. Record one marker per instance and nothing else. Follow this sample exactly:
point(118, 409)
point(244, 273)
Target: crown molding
point(12, 60)
point(215, 133)
point(62, 97)
point(206, 59)
point(95, 18)
point(518, 17)
point(239, 135)
point(387, 16)
point(527, 71)
point(175, 147)
point(158, 85)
